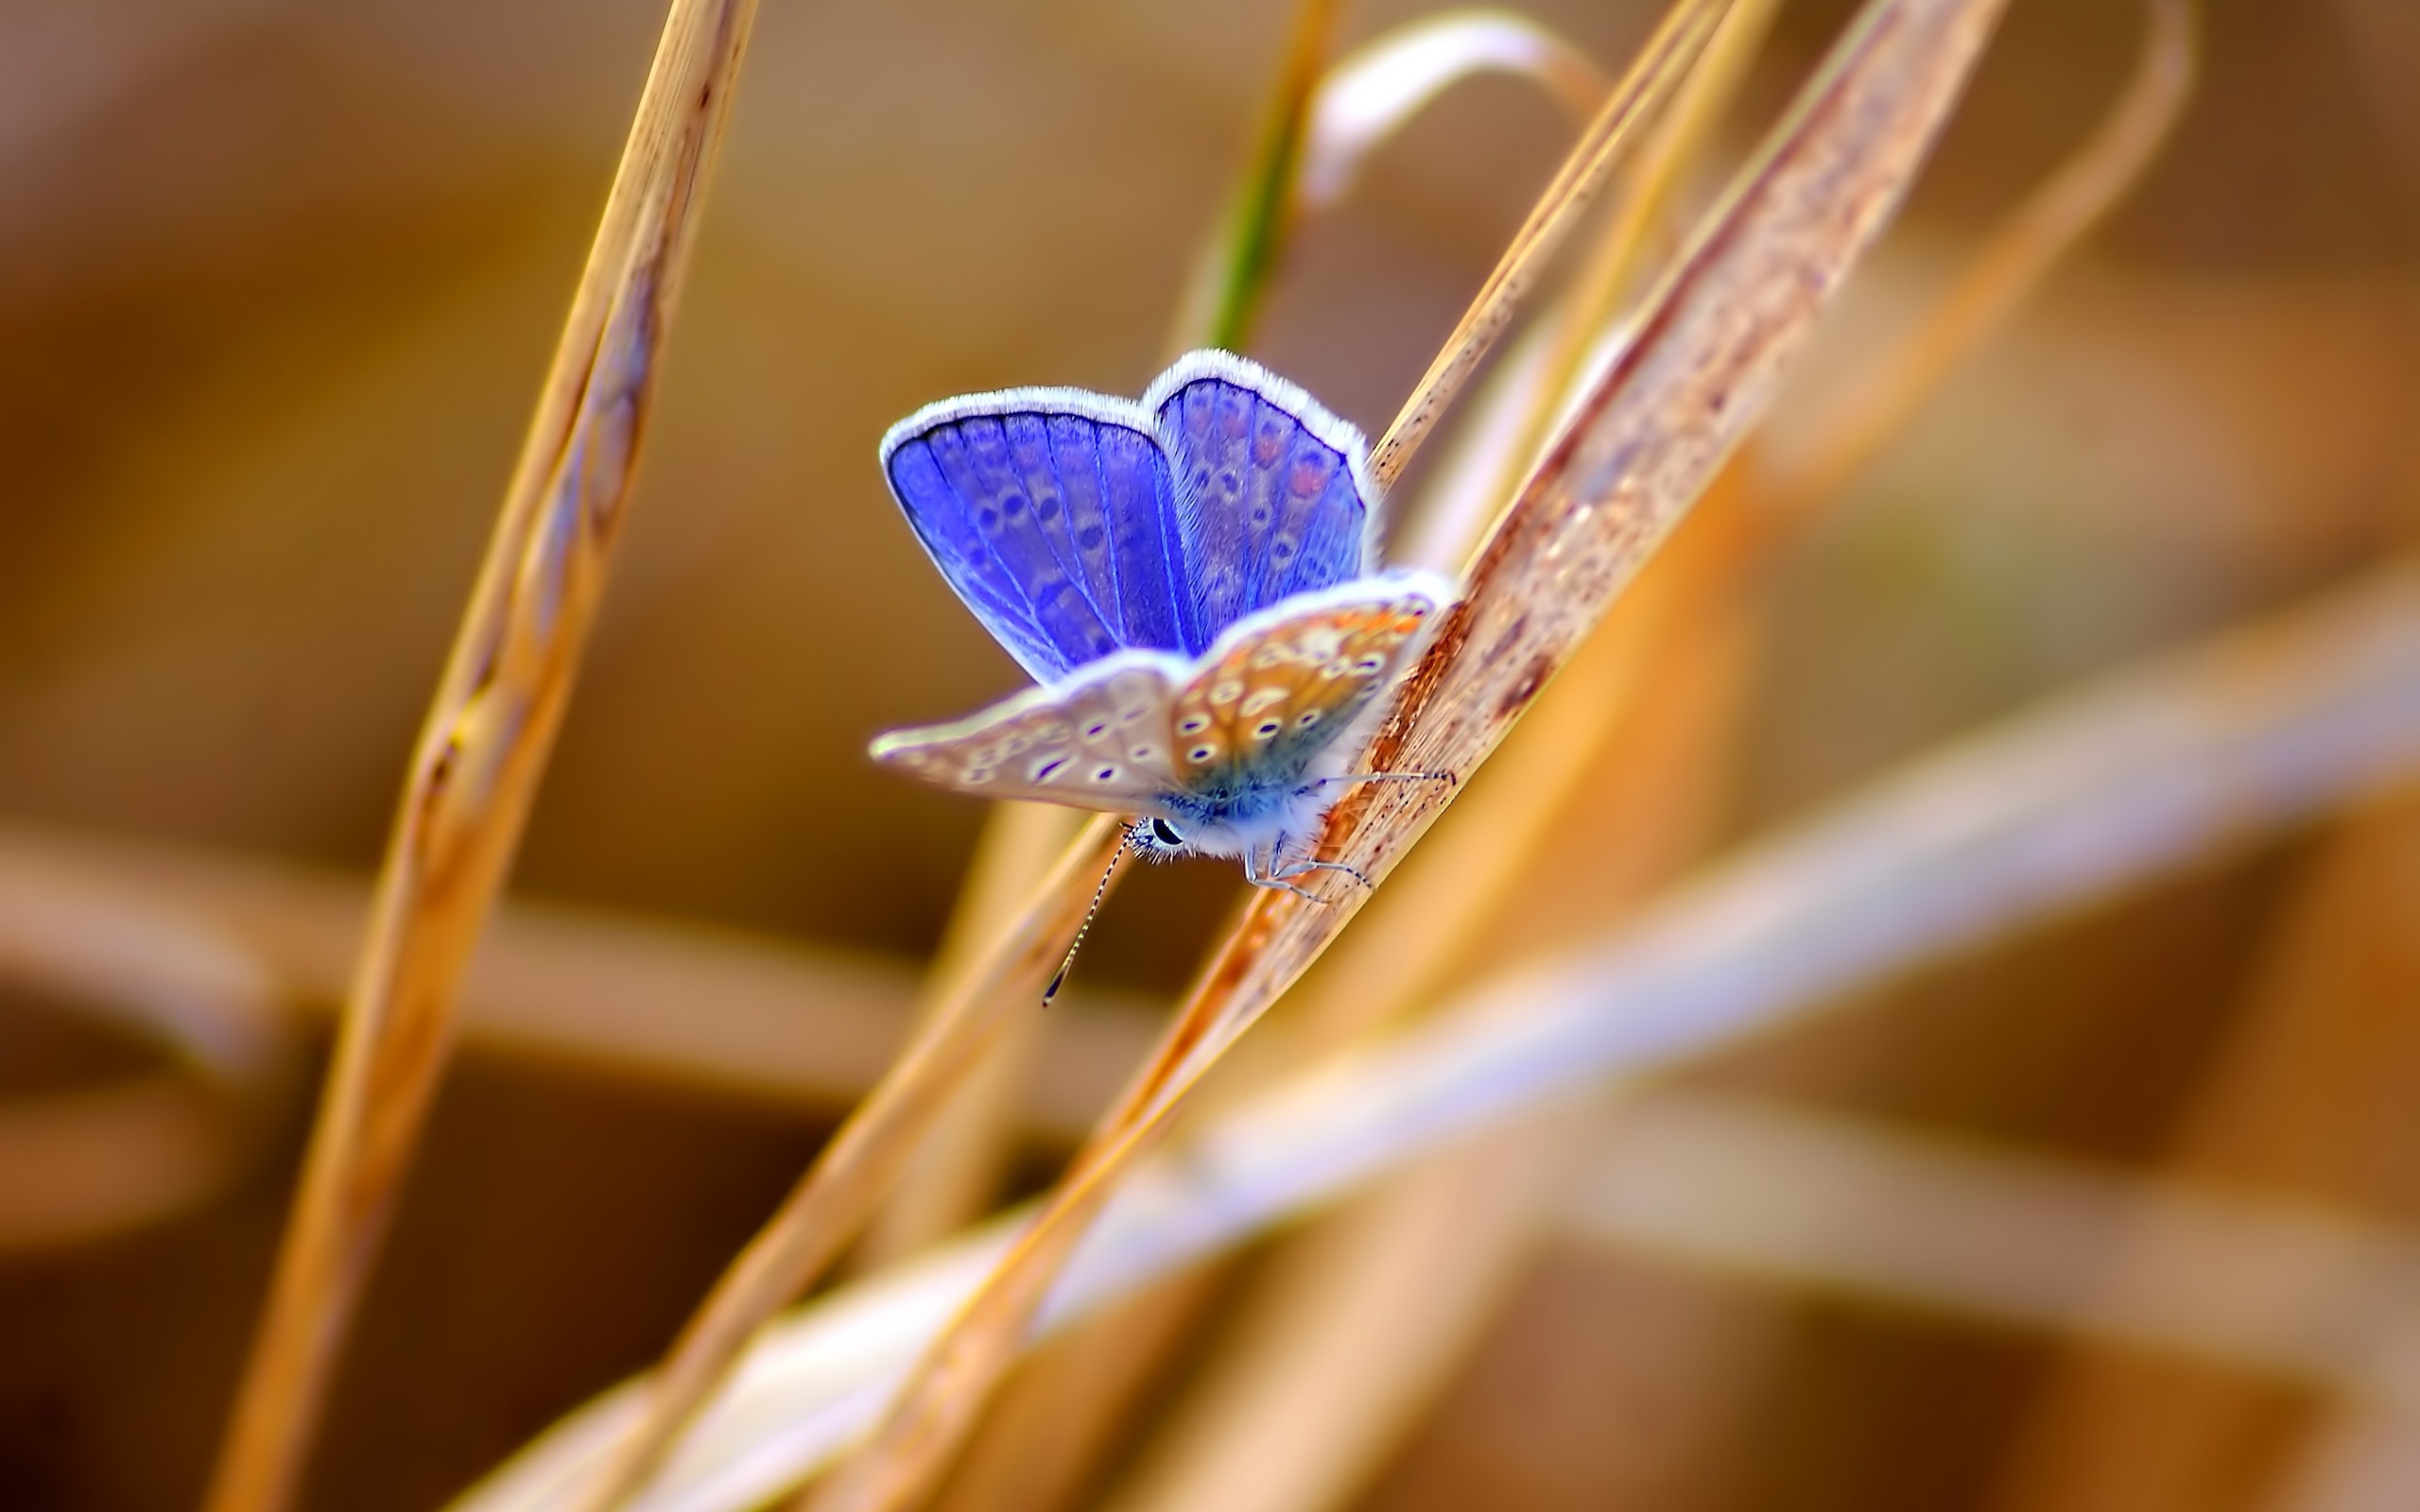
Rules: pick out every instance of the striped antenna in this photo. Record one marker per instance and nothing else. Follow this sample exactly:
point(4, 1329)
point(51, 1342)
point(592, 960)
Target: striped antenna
point(1085, 928)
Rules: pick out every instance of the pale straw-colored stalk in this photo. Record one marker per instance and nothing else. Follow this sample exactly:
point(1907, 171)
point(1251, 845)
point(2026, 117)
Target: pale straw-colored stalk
point(1660, 65)
point(696, 1010)
point(482, 751)
point(83, 1163)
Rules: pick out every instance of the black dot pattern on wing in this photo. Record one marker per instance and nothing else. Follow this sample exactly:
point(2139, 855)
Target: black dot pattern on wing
point(1056, 527)
point(975, 456)
point(1267, 510)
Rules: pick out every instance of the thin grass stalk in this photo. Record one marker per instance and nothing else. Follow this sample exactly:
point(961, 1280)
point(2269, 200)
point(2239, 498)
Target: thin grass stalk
point(825, 1210)
point(92, 1161)
point(949, 1179)
point(2194, 755)
point(483, 749)
point(2312, 1091)
point(1659, 68)
point(959, 1044)
point(2019, 254)
point(703, 1011)
point(2240, 1278)
point(1678, 143)
point(1644, 444)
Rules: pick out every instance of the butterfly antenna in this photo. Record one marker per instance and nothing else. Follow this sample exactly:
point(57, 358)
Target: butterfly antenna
point(1100, 891)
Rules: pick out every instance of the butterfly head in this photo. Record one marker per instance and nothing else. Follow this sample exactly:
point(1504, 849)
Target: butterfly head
point(1157, 839)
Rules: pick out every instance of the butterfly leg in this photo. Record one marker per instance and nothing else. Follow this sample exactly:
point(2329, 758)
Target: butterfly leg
point(1447, 777)
point(1274, 879)
point(1299, 869)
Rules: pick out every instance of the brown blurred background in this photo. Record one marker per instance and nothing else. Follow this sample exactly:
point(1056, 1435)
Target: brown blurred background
point(277, 283)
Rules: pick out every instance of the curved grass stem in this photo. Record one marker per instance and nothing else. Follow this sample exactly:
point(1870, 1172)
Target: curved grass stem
point(482, 751)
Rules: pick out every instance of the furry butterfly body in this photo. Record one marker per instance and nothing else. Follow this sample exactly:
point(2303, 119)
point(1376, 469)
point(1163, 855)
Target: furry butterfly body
point(1192, 581)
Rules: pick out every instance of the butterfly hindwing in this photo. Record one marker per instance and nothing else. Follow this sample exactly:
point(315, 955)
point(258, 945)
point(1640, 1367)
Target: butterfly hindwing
point(1272, 492)
point(1282, 687)
point(1099, 740)
point(1051, 512)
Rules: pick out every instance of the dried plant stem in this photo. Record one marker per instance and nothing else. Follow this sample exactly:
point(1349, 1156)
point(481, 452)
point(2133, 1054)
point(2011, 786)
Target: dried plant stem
point(2191, 756)
point(950, 1179)
point(83, 1163)
point(2019, 254)
point(851, 1173)
point(709, 1011)
point(2312, 1090)
point(1678, 142)
point(1659, 68)
point(483, 747)
point(1645, 441)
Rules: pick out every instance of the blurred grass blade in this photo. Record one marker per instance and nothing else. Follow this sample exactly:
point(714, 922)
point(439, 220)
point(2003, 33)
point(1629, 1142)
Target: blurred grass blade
point(2010, 265)
point(1224, 295)
point(848, 1177)
point(954, 1174)
point(1647, 440)
point(2191, 755)
point(1658, 69)
point(1385, 83)
point(91, 1161)
point(483, 747)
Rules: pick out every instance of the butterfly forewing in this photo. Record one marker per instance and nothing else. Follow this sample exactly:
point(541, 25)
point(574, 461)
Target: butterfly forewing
point(1052, 514)
point(1278, 692)
point(1096, 740)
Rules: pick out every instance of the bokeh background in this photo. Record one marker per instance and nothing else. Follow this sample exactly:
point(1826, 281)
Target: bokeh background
point(277, 285)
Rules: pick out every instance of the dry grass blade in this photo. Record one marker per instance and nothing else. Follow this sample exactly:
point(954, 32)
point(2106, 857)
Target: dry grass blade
point(1659, 68)
point(954, 1172)
point(695, 1011)
point(1679, 141)
point(1387, 81)
point(80, 1164)
point(2158, 767)
point(850, 1173)
point(1647, 440)
point(483, 747)
point(1997, 279)
point(2288, 1289)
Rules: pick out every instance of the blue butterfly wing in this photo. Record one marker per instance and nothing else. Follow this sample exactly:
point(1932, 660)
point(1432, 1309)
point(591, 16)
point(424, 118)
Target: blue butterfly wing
point(1051, 512)
point(1273, 496)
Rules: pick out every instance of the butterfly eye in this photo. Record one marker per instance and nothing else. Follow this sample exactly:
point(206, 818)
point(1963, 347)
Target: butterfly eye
point(1165, 833)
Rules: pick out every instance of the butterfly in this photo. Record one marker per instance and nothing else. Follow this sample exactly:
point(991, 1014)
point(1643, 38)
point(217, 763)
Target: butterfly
point(1190, 579)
